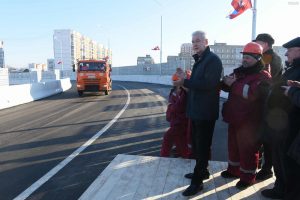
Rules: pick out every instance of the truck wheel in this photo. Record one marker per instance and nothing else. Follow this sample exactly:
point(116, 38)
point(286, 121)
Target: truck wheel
point(80, 93)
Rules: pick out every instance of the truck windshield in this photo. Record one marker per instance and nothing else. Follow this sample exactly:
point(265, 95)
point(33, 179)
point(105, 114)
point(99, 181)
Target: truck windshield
point(90, 66)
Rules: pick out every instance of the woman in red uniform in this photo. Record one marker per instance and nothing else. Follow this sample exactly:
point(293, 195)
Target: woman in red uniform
point(176, 115)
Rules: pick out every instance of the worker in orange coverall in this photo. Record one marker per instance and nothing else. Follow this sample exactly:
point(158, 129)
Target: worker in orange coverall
point(176, 115)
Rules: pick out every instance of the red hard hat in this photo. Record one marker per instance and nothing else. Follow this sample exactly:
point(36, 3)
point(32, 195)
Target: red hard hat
point(175, 77)
point(253, 47)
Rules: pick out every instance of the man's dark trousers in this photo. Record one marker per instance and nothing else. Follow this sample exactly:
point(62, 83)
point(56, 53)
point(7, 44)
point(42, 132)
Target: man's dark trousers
point(202, 133)
point(267, 152)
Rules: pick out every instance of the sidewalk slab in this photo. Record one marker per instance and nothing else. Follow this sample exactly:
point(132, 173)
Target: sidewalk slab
point(145, 177)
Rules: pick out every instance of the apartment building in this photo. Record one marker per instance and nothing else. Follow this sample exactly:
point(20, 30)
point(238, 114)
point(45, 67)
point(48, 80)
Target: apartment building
point(231, 56)
point(70, 46)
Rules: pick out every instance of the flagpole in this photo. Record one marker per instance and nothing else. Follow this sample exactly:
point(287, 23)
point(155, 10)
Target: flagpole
point(254, 20)
point(160, 42)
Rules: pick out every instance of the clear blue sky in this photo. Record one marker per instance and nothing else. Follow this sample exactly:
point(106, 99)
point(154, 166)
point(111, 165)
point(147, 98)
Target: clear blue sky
point(132, 27)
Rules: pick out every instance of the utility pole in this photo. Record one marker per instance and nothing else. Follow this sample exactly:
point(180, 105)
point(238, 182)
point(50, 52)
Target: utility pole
point(160, 43)
point(254, 20)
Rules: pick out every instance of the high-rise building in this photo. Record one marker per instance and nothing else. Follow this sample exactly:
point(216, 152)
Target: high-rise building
point(51, 64)
point(2, 63)
point(186, 49)
point(145, 60)
point(70, 46)
point(37, 66)
point(186, 55)
point(231, 56)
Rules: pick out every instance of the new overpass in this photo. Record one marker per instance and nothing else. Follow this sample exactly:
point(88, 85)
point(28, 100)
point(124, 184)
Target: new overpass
point(56, 147)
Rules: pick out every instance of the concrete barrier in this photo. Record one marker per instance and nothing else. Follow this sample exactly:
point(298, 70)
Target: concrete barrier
point(164, 80)
point(20, 94)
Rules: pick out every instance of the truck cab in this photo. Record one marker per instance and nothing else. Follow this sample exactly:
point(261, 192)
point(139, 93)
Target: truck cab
point(93, 76)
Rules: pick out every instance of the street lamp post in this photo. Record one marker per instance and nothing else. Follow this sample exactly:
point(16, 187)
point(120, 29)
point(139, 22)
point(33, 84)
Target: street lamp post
point(160, 44)
point(254, 20)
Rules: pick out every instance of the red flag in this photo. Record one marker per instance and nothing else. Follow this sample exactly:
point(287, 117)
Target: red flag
point(156, 48)
point(239, 7)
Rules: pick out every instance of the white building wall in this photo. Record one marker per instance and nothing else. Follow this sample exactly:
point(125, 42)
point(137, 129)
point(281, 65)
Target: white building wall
point(2, 63)
point(62, 49)
point(51, 64)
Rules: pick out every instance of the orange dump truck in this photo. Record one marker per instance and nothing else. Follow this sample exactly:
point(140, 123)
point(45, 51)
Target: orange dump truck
point(93, 76)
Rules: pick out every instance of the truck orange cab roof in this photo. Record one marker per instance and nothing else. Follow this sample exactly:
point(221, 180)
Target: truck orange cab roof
point(101, 61)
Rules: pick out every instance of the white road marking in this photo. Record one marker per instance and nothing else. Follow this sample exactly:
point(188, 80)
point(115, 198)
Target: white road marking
point(63, 163)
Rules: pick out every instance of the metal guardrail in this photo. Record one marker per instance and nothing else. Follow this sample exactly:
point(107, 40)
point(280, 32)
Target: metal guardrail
point(166, 69)
point(3, 76)
point(148, 69)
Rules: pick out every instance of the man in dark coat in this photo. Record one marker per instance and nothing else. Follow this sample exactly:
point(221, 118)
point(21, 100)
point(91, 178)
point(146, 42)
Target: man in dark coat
point(272, 61)
point(282, 126)
point(292, 143)
point(202, 106)
point(273, 64)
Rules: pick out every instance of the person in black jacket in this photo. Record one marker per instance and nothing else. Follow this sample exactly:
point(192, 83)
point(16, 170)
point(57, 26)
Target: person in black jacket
point(273, 64)
point(292, 144)
point(282, 126)
point(202, 106)
point(272, 61)
point(293, 91)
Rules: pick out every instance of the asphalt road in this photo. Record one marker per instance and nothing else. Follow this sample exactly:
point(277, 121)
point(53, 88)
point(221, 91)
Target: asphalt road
point(37, 136)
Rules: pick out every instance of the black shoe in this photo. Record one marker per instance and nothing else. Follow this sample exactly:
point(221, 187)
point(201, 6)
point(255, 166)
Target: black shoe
point(264, 175)
point(242, 185)
point(190, 175)
point(272, 194)
point(192, 190)
point(226, 174)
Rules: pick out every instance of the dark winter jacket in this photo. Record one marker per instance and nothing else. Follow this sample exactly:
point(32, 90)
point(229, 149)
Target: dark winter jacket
point(203, 94)
point(282, 114)
point(291, 108)
point(176, 111)
point(271, 58)
point(246, 95)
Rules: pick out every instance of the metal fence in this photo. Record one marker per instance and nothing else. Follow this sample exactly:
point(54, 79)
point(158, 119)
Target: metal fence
point(17, 78)
point(3, 76)
point(155, 69)
point(38, 76)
